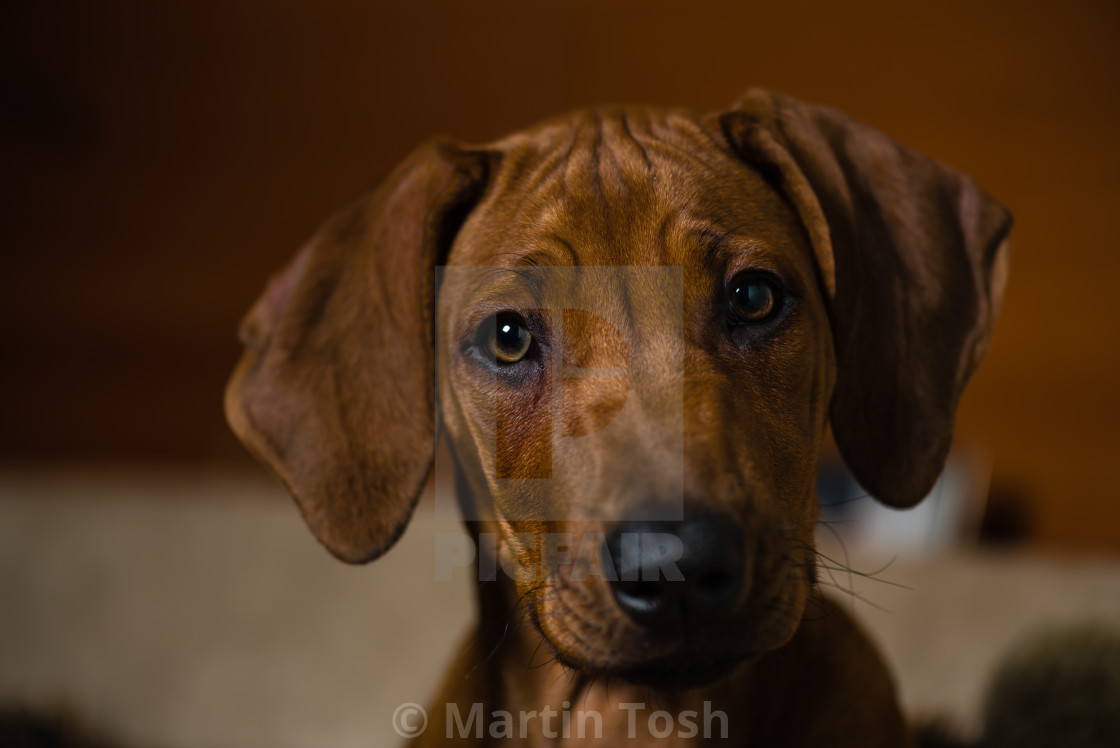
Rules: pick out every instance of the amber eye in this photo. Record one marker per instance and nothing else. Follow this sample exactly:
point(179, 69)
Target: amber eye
point(511, 340)
point(753, 297)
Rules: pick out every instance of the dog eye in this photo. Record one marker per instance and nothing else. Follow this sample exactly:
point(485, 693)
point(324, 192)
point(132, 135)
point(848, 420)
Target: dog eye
point(753, 297)
point(511, 339)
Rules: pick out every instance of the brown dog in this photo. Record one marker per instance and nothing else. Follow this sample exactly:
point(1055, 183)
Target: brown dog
point(647, 320)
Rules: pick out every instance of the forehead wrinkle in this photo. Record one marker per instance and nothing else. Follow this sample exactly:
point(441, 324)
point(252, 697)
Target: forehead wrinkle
point(529, 159)
point(539, 183)
point(627, 130)
point(608, 164)
point(551, 250)
point(526, 269)
point(496, 281)
point(718, 242)
point(627, 165)
point(675, 147)
point(581, 163)
point(637, 143)
point(526, 182)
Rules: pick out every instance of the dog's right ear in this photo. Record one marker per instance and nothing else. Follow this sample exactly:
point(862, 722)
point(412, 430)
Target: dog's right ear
point(335, 389)
point(913, 260)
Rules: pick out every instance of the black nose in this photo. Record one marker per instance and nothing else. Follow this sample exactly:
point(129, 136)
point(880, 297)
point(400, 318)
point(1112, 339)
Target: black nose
point(667, 573)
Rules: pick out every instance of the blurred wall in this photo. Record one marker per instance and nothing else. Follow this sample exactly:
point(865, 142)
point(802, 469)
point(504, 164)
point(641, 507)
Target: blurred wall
point(160, 159)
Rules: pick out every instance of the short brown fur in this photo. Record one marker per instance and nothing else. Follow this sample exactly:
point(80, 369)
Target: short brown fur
point(892, 267)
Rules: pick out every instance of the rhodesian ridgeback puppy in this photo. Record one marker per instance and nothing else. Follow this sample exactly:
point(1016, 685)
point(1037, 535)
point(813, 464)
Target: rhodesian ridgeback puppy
point(634, 327)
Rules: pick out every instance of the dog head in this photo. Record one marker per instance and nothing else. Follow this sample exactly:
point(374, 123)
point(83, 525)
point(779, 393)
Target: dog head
point(643, 323)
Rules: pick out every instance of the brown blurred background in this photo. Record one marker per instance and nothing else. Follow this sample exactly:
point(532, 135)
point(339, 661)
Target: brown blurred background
point(160, 159)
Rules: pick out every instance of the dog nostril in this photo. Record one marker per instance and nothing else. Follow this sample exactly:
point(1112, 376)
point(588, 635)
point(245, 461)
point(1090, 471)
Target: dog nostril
point(717, 588)
point(643, 590)
point(645, 602)
point(714, 583)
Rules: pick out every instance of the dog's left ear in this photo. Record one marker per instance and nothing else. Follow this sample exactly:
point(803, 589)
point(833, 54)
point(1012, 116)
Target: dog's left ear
point(335, 390)
point(913, 260)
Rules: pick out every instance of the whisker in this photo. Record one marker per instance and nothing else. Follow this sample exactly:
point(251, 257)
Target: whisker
point(857, 596)
point(845, 501)
point(872, 576)
point(847, 562)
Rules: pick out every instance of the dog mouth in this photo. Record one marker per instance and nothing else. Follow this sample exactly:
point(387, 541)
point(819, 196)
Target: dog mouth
point(684, 671)
point(590, 631)
point(664, 664)
point(681, 670)
point(678, 666)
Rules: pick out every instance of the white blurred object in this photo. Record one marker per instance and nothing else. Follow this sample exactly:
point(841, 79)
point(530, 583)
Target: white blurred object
point(948, 518)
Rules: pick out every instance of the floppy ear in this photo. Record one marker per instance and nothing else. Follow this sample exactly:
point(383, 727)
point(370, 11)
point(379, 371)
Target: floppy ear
point(335, 389)
point(913, 260)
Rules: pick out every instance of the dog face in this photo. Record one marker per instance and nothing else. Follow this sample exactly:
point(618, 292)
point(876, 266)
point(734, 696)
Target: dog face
point(644, 323)
point(715, 397)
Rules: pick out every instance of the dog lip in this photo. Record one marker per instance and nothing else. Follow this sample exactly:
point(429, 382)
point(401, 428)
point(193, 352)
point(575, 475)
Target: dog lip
point(683, 671)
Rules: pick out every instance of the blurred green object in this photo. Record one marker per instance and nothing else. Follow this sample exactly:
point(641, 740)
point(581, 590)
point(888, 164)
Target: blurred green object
point(1058, 687)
